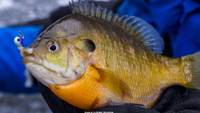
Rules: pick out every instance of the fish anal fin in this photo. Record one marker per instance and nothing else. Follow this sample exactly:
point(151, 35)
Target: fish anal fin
point(112, 82)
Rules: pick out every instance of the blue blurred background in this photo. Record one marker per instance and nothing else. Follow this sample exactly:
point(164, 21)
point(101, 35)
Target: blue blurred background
point(13, 72)
point(177, 21)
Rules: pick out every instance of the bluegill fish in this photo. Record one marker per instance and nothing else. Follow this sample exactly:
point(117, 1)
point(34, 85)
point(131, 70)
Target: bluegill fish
point(94, 58)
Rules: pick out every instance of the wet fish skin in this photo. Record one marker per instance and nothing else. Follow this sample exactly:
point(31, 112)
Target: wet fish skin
point(123, 67)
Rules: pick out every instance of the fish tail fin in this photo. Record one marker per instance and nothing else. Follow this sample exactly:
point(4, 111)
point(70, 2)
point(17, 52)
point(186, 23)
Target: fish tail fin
point(191, 70)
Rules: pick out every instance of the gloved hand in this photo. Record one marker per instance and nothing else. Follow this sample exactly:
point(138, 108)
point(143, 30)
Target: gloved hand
point(175, 99)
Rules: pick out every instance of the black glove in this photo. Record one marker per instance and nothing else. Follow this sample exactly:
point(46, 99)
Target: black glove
point(175, 99)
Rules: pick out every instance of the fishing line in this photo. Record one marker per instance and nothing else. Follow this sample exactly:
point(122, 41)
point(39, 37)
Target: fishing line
point(20, 34)
point(8, 14)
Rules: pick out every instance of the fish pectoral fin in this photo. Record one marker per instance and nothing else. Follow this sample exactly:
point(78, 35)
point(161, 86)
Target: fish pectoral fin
point(112, 82)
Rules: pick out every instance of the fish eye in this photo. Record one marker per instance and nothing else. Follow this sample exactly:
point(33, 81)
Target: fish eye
point(17, 41)
point(53, 46)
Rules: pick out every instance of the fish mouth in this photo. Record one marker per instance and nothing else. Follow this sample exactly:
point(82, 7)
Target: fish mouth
point(44, 75)
point(30, 56)
point(33, 63)
point(47, 74)
point(29, 59)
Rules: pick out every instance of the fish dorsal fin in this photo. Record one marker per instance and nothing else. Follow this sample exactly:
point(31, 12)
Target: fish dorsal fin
point(134, 25)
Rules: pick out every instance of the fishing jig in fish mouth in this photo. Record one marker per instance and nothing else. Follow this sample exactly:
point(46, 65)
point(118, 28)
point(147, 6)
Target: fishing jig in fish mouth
point(95, 58)
point(19, 40)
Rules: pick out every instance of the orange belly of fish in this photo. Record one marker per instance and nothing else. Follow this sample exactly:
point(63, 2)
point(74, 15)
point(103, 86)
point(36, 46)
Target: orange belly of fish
point(85, 93)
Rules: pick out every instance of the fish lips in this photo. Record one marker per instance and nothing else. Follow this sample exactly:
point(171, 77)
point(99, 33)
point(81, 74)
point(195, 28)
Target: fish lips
point(30, 56)
point(28, 59)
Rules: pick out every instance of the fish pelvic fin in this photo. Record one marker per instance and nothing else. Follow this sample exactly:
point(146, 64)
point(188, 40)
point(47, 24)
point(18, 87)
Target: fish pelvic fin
point(191, 70)
point(113, 83)
point(135, 26)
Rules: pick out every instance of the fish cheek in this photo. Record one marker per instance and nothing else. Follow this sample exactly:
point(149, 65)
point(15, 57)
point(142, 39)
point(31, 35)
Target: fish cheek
point(40, 51)
point(57, 58)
